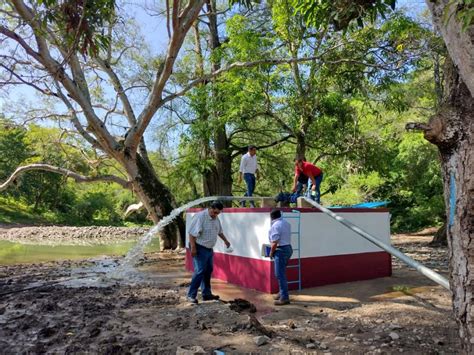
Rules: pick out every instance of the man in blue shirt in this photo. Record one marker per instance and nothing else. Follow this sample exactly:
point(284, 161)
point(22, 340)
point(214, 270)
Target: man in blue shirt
point(280, 239)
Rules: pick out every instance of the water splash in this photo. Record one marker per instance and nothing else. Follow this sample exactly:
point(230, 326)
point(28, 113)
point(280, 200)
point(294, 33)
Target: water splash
point(126, 267)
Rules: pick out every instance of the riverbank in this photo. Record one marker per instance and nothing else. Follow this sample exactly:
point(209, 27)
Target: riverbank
point(62, 235)
point(402, 313)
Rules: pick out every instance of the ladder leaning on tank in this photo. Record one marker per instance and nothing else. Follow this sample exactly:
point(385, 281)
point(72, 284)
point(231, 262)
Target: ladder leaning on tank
point(296, 215)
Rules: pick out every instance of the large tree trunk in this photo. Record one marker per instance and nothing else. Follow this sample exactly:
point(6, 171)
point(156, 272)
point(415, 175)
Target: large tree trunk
point(460, 43)
point(300, 146)
point(158, 201)
point(218, 179)
point(452, 131)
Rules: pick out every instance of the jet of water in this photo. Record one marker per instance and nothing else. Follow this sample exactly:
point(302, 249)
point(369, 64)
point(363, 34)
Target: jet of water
point(136, 253)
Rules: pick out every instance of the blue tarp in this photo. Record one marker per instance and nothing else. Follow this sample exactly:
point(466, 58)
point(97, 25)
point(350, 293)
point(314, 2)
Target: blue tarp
point(292, 197)
point(365, 205)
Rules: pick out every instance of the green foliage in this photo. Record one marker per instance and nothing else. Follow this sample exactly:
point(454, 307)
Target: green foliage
point(341, 13)
point(81, 23)
point(96, 207)
point(45, 197)
point(14, 148)
point(357, 188)
point(13, 211)
point(417, 190)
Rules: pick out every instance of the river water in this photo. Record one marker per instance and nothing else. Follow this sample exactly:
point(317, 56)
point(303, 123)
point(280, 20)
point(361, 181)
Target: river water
point(16, 253)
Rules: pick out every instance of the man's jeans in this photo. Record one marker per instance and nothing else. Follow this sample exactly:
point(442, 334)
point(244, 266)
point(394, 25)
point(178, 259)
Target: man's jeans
point(318, 180)
point(299, 187)
point(281, 257)
point(250, 182)
point(203, 265)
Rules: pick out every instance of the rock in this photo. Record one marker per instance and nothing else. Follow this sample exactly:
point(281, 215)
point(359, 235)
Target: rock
point(241, 305)
point(190, 350)
point(339, 338)
point(394, 336)
point(94, 332)
point(323, 346)
point(310, 346)
point(261, 340)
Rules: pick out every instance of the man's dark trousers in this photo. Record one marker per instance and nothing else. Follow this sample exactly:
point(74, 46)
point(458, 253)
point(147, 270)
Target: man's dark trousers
point(250, 182)
point(203, 264)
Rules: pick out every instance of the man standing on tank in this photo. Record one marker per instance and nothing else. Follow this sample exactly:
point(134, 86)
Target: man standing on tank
point(249, 171)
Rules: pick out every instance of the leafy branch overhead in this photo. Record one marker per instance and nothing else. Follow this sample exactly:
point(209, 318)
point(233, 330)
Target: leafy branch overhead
point(338, 13)
point(81, 22)
point(341, 13)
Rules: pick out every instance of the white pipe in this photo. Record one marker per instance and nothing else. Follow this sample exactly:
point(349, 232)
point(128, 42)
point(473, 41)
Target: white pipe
point(439, 279)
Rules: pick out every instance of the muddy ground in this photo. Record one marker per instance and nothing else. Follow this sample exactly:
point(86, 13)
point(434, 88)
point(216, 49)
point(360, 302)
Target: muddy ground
point(403, 313)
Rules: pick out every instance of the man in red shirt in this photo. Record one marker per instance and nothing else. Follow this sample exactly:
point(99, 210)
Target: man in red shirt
point(314, 174)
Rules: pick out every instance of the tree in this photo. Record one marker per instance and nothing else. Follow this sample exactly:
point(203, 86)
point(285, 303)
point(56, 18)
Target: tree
point(56, 48)
point(451, 130)
point(225, 114)
point(13, 146)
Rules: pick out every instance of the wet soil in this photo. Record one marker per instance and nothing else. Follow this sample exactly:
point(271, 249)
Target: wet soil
point(402, 313)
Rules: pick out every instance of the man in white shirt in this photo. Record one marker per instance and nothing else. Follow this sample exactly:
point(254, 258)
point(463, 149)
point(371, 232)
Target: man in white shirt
point(203, 232)
point(249, 171)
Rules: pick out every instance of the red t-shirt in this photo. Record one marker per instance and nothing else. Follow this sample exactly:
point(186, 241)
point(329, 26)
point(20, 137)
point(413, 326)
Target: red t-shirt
point(308, 169)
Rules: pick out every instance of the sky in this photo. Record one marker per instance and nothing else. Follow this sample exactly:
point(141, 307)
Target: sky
point(154, 30)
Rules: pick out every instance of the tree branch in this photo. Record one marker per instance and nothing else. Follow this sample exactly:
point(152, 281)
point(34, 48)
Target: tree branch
point(156, 101)
point(68, 173)
point(236, 65)
point(133, 208)
point(57, 71)
point(75, 120)
point(119, 90)
point(241, 150)
point(23, 81)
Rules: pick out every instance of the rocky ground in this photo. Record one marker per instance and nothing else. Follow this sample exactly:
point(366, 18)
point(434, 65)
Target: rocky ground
point(53, 235)
point(403, 313)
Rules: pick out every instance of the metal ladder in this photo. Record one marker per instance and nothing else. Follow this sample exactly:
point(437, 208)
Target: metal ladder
point(296, 215)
